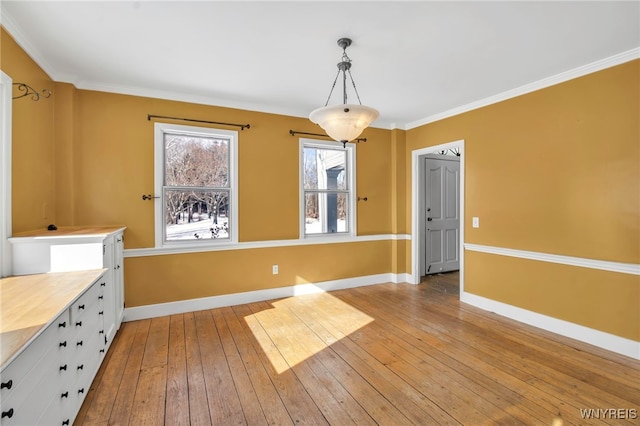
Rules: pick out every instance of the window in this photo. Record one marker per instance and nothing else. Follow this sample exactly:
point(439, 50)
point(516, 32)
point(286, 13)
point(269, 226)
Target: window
point(196, 182)
point(327, 176)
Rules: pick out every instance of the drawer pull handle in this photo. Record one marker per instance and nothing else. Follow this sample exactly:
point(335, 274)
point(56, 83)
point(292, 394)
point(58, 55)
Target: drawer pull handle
point(65, 423)
point(63, 344)
point(64, 395)
point(81, 367)
point(101, 313)
point(81, 306)
point(101, 332)
point(62, 324)
point(7, 385)
point(79, 343)
point(7, 413)
point(103, 284)
point(100, 297)
point(79, 324)
point(101, 351)
point(81, 390)
point(63, 367)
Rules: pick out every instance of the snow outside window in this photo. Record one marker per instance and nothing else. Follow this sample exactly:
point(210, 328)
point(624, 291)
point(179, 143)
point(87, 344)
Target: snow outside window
point(196, 182)
point(327, 194)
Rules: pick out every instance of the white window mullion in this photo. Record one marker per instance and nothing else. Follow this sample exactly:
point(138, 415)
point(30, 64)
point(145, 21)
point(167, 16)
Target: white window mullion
point(330, 170)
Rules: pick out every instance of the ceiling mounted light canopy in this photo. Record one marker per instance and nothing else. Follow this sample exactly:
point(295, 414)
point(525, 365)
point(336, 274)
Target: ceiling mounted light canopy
point(344, 122)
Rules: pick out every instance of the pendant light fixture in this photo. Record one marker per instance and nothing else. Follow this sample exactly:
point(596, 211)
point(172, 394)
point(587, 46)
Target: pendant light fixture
point(344, 122)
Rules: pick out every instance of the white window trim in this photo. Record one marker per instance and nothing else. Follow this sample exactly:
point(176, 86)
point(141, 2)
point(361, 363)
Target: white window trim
point(351, 181)
point(159, 130)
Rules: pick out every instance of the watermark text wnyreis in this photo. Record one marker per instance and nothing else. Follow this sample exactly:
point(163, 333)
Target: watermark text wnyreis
point(609, 413)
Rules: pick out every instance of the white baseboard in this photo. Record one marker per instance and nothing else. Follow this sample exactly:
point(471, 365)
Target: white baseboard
point(607, 341)
point(171, 308)
point(401, 278)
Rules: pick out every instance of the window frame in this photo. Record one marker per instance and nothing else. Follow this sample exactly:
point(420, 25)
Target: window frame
point(350, 179)
point(160, 129)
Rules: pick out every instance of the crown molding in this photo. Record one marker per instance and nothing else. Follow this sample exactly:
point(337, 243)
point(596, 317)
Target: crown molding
point(583, 70)
point(23, 41)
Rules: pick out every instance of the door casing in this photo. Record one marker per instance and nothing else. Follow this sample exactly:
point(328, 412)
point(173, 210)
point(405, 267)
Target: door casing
point(5, 174)
point(416, 207)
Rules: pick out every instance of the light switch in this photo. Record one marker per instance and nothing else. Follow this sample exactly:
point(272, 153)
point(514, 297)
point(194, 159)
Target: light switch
point(475, 222)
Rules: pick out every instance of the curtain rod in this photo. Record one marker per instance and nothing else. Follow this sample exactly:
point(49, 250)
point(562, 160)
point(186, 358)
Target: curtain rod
point(242, 126)
point(295, 132)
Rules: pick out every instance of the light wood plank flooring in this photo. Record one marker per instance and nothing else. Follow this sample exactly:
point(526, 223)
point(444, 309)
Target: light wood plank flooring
point(388, 354)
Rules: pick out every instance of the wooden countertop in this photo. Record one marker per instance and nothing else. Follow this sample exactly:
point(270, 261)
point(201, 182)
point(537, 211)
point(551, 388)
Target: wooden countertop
point(71, 231)
point(29, 303)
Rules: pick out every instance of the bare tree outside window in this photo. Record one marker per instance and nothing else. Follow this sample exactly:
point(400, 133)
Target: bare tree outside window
point(196, 187)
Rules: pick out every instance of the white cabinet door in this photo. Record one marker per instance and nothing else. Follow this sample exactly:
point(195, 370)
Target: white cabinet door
point(118, 276)
point(107, 300)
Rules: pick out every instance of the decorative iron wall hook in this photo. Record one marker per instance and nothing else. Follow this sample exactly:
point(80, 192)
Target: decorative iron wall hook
point(30, 91)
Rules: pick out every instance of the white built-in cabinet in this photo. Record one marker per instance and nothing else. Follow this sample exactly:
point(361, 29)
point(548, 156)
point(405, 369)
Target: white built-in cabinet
point(46, 380)
point(76, 249)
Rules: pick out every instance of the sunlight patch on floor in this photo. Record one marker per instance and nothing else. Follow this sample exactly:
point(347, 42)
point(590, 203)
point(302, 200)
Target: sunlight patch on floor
point(290, 332)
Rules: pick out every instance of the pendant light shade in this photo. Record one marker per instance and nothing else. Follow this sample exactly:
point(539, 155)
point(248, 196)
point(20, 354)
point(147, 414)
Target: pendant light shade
point(344, 122)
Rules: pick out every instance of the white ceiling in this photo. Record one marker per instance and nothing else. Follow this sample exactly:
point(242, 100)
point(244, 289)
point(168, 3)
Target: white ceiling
point(411, 60)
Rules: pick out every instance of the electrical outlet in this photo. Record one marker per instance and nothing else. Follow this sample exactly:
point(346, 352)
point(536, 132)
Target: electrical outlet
point(475, 222)
point(275, 269)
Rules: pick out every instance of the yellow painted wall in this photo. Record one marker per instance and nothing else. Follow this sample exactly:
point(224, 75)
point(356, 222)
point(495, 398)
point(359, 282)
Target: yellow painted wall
point(114, 167)
point(554, 171)
point(114, 159)
point(33, 153)
point(159, 279)
point(89, 156)
point(65, 152)
point(602, 300)
point(401, 262)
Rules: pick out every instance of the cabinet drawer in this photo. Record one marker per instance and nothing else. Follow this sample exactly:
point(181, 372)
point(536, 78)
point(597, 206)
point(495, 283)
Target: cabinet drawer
point(60, 412)
point(85, 328)
point(25, 406)
point(25, 371)
point(85, 303)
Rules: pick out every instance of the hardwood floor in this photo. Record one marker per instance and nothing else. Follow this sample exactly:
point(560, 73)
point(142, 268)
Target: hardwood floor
point(389, 354)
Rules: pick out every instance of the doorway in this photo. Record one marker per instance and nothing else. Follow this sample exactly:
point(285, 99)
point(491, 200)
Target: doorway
point(419, 209)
